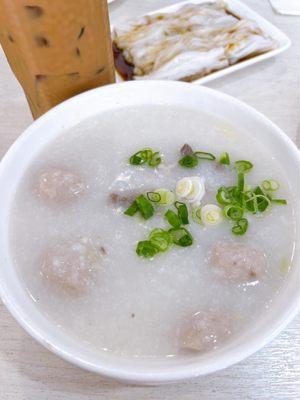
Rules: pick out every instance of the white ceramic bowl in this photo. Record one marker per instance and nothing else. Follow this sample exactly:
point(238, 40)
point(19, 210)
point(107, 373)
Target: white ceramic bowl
point(70, 113)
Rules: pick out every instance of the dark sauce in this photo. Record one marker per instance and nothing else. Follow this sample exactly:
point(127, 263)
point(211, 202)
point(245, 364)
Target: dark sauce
point(124, 68)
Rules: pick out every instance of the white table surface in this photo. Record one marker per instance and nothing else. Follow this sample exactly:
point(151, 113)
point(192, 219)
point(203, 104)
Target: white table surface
point(29, 372)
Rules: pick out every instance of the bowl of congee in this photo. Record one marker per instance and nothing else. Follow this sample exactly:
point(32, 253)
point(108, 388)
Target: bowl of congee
point(150, 231)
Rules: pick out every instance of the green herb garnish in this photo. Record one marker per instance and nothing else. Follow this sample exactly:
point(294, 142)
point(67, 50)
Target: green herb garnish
point(173, 219)
point(183, 213)
point(160, 239)
point(181, 237)
point(155, 160)
point(279, 201)
point(202, 155)
point(233, 212)
point(189, 161)
point(270, 185)
point(146, 249)
point(142, 204)
point(192, 160)
point(243, 166)
point(155, 197)
point(241, 181)
point(147, 155)
point(224, 159)
point(223, 196)
point(141, 157)
point(240, 228)
point(132, 209)
point(145, 207)
point(256, 200)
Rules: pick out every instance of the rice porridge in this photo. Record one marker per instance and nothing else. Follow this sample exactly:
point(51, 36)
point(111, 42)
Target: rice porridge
point(148, 283)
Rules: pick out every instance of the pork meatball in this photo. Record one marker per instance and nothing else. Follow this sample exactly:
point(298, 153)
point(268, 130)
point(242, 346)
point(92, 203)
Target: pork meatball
point(60, 185)
point(72, 265)
point(237, 262)
point(205, 331)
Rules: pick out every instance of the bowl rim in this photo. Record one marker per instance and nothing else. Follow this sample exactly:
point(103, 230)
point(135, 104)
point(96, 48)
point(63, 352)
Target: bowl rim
point(140, 376)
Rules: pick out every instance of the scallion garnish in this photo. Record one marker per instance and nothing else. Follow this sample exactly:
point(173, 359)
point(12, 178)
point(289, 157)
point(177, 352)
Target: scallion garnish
point(183, 213)
point(189, 161)
point(279, 201)
point(270, 185)
point(173, 218)
point(196, 215)
point(155, 197)
point(146, 249)
point(160, 239)
point(154, 160)
point(141, 204)
point(256, 201)
point(202, 155)
point(224, 159)
point(233, 212)
point(145, 207)
point(146, 155)
point(223, 196)
point(181, 237)
point(243, 166)
point(241, 181)
point(241, 226)
point(167, 197)
point(132, 209)
point(141, 157)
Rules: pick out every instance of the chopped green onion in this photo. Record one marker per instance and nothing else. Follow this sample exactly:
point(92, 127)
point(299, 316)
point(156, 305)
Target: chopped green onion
point(196, 215)
point(181, 237)
point(146, 155)
point(241, 181)
point(223, 197)
point(211, 215)
point(183, 213)
point(132, 209)
point(256, 200)
point(154, 160)
point(270, 185)
point(146, 249)
point(141, 157)
point(250, 200)
point(279, 201)
point(224, 159)
point(188, 161)
point(233, 212)
point(236, 195)
point(155, 197)
point(262, 202)
point(243, 166)
point(173, 218)
point(145, 207)
point(204, 156)
point(160, 239)
point(167, 197)
point(240, 228)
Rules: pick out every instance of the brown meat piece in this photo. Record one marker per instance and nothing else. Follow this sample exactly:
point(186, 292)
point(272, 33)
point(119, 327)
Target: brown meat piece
point(60, 185)
point(186, 150)
point(205, 331)
point(237, 262)
point(72, 265)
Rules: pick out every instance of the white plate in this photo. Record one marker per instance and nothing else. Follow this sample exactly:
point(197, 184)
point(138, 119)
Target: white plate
point(240, 9)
